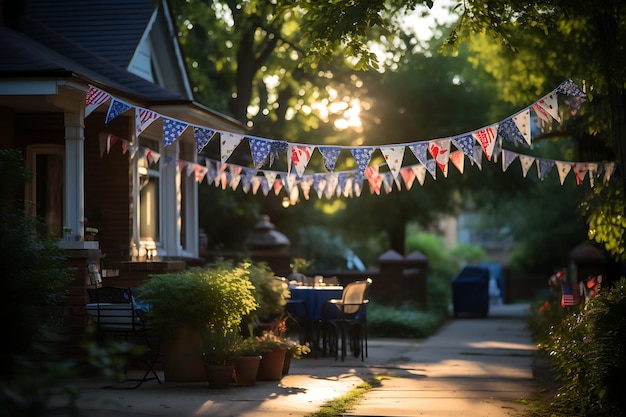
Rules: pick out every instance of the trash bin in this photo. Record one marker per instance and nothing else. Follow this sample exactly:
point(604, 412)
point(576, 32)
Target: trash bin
point(470, 291)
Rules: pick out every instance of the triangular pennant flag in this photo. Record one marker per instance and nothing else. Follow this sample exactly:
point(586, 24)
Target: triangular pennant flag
point(143, 119)
point(276, 147)
point(199, 172)
point(94, 98)
point(487, 139)
point(526, 162)
point(348, 188)
point(465, 144)
point(235, 176)
point(608, 170)
point(431, 167)
point(569, 88)
point(542, 114)
point(550, 104)
point(362, 157)
point(277, 186)
point(420, 173)
point(290, 181)
point(271, 177)
point(592, 167)
point(202, 137)
point(358, 185)
point(211, 174)
point(342, 179)
point(116, 108)
point(408, 176)
point(440, 150)
point(265, 187)
point(478, 156)
point(509, 130)
point(153, 156)
point(330, 154)
point(563, 168)
point(420, 150)
point(260, 149)
point(393, 157)
point(522, 121)
point(246, 179)
point(167, 160)
point(299, 155)
point(172, 129)
point(543, 167)
point(256, 183)
point(374, 179)
point(458, 159)
point(294, 196)
point(507, 158)
point(580, 170)
point(388, 181)
point(319, 183)
point(331, 185)
point(305, 185)
point(228, 143)
point(190, 169)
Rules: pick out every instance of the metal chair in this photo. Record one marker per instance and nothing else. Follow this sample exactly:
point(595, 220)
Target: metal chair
point(116, 315)
point(346, 317)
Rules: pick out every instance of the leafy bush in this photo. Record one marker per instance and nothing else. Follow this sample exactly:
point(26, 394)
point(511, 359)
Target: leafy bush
point(403, 322)
point(218, 296)
point(269, 291)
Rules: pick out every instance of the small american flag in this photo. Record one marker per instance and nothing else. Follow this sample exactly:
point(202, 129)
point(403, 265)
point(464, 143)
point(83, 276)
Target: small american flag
point(95, 97)
point(144, 118)
point(570, 294)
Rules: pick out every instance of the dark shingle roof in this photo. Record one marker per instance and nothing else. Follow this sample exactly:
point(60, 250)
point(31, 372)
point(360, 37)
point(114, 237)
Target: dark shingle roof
point(65, 48)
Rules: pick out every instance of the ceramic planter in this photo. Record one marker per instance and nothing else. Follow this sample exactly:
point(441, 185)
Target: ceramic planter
point(246, 369)
point(271, 365)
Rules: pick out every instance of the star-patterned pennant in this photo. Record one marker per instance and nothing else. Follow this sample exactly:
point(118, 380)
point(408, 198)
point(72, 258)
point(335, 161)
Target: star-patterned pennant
point(544, 166)
point(202, 137)
point(228, 144)
point(393, 157)
point(271, 177)
point(507, 159)
point(299, 156)
point(260, 149)
point(143, 119)
point(246, 179)
point(527, 162)
point(569, 88)
point(116, 108)
point(362, 157)
point(319, 183)
point(277, 147)
point(510, 131)
point(265, 186)
point(420, 150)
point(458, 160)
point(465, 144)
point(94, 98)
point(330, 154)
point(440, 151)
point(486, 137)
point(431, 167)
point(172, 129)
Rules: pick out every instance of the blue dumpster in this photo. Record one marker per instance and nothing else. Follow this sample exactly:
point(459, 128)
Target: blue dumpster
point(470, 291)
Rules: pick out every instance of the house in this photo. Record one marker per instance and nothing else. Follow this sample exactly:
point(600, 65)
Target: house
point(94, 172)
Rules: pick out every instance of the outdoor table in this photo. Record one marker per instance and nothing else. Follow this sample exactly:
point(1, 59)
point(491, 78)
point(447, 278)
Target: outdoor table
point(315, 297)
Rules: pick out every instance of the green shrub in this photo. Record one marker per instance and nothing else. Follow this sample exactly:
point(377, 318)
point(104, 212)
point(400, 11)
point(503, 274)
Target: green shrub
point(588, 350)
point(270, 291)
point(401, 322)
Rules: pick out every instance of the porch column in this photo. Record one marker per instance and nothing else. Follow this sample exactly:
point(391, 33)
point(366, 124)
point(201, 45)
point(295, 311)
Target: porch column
point(74, 171)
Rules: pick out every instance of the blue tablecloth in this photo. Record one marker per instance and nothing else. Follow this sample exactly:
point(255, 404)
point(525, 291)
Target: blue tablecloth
point(315, 297)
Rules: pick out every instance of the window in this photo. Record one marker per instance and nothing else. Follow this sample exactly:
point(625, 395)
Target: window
point(149, 194)
point(46, 194)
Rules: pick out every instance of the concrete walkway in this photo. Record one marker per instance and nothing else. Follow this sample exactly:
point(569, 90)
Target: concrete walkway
point(472, 367)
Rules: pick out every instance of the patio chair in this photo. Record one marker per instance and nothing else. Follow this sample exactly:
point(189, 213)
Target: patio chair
point(346, 318)
point(118, 317)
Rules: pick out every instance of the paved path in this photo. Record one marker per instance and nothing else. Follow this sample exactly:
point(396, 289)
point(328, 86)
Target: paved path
point(472, 367)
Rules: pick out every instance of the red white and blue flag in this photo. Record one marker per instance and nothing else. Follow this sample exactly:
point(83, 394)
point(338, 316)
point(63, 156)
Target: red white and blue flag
point(570, 294)
point(95, 97)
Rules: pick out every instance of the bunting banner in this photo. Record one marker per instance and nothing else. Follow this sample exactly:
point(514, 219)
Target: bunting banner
point(486, 141)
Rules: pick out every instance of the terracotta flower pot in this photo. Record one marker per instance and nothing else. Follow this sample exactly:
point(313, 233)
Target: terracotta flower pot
point(271, 365)
point(246, 369)
point(219, 376)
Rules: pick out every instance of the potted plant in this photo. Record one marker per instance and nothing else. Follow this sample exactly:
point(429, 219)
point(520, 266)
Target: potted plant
point(277, 351)
point(185, 304)
point(246, 363)
point(271, 293)
point(219, 349)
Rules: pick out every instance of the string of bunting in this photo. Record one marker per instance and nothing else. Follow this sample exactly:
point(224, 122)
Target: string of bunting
point(516, 129)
